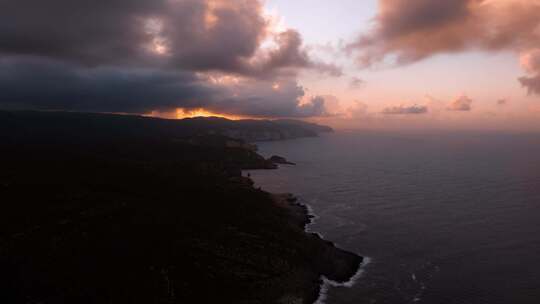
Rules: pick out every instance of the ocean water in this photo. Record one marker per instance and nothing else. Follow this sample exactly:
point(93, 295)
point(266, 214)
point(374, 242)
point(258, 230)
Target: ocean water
point(443, 217)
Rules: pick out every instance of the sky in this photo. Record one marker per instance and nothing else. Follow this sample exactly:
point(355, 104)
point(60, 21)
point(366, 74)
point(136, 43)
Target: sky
point(369, 64)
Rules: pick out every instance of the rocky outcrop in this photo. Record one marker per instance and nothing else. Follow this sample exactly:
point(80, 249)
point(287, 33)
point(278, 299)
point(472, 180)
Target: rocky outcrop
point(280, 160)
point(326, 259)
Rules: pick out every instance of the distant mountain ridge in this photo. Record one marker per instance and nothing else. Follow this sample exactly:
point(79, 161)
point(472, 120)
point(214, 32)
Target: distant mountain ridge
point(114, 125)
point(254, 130)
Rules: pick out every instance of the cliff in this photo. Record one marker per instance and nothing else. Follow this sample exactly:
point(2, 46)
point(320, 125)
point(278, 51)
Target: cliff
point(101, 218)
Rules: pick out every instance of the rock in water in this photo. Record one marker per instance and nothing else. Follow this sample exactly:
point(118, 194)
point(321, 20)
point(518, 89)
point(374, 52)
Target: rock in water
point(280, 160)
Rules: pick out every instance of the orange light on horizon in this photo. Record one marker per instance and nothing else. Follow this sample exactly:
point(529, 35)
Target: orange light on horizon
point(183, 113)
point(193, 113)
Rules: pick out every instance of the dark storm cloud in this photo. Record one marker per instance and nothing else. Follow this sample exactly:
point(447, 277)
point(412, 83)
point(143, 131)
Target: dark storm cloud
point(90, 32)
point(46, 84)
point(405, 110)
point(125, 31)
point(142, 55)
point(262, 99)
point(199, 35)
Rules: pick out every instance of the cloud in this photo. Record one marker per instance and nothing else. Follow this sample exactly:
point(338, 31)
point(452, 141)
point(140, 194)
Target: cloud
point(80, 31)
point(407, 31)
point(358, 110)
point(405, 110)
point(356, 83)
point(332, 105)
point(138, 55)
point(416, 29)
point(530, 61)
point(288, 54)
point(284, 98)
point(47, 84)
point(462, 103)
point(531, 83)
point(198, 35)
point(314, 107)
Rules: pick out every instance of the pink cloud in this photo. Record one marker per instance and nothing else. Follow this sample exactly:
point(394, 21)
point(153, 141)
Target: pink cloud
point(412, 30)
point(462, 103)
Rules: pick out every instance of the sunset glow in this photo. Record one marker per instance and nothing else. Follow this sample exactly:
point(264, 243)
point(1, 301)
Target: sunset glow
point(192, 113)
point(463, 64)
point(151, 151)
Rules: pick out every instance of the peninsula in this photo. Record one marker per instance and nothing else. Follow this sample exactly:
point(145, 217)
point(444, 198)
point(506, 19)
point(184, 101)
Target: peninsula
point(101, 208)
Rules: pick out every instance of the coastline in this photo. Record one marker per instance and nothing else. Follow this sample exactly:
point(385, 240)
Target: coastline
point(326, 284)
point(158, 216)
point(334, 266)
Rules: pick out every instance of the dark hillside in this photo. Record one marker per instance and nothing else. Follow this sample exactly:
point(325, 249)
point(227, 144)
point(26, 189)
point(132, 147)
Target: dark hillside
point(24, 124)
point(128, 214)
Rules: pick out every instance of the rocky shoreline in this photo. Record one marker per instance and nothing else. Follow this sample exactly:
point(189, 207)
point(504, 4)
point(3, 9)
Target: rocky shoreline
point(127, 210)
point(332, 264)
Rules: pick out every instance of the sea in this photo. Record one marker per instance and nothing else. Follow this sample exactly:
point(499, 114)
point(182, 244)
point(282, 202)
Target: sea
point(442, 217)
